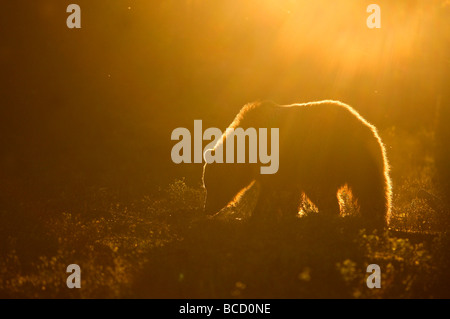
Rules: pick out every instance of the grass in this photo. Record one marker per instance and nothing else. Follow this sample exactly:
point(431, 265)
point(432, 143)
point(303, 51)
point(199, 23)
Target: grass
point(163, 247)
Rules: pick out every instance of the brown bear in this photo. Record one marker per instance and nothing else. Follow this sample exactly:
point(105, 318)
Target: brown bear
point(323, 146)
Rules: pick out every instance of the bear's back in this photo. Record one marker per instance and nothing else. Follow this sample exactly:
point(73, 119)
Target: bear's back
point(315, 134)
point(318, 119)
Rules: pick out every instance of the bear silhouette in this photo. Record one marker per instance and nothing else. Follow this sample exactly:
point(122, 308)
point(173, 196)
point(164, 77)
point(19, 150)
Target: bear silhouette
point(323, 146)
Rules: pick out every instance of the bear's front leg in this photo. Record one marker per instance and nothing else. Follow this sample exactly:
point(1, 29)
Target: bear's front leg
point(276, 203)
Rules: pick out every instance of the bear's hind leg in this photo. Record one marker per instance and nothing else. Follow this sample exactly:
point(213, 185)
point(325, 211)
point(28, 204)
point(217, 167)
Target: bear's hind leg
point(289, 202)
point(371, 198)
point(326, 201)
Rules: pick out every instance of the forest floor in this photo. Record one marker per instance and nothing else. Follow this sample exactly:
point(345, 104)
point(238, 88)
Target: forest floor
point(162, 246)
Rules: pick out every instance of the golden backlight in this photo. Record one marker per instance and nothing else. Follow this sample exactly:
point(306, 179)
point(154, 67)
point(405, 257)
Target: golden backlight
point(86, 176)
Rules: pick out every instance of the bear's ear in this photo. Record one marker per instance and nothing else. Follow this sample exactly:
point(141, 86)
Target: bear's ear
point(207, 155)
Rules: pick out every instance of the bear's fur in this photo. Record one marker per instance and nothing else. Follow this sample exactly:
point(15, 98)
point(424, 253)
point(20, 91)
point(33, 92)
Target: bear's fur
point(322, 146)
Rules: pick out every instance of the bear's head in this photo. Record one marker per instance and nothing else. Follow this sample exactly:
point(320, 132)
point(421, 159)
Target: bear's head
point(223, 181)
